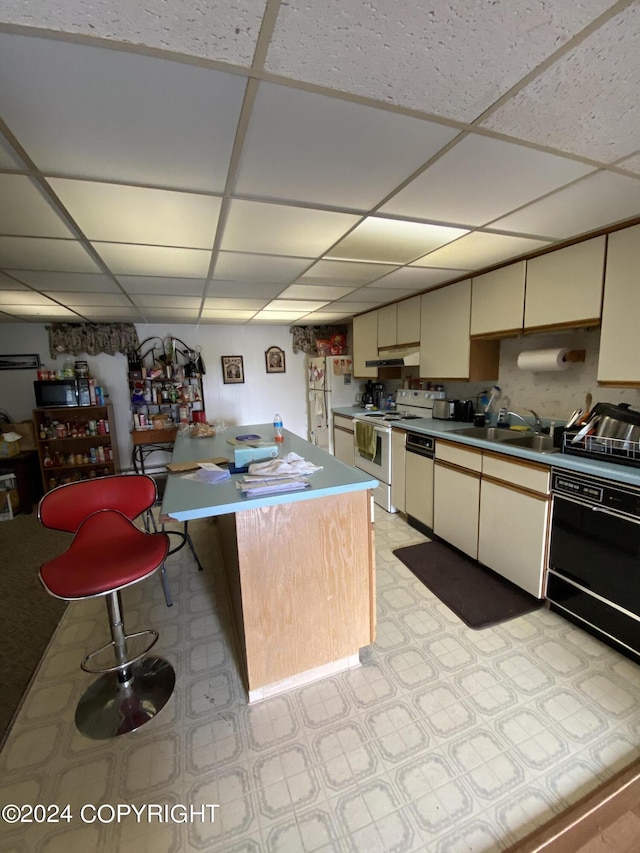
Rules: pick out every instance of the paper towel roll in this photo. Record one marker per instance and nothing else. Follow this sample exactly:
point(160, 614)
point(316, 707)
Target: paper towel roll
point(543, 359)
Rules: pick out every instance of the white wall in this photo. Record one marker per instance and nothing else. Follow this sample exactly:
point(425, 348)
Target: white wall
point(256, 401)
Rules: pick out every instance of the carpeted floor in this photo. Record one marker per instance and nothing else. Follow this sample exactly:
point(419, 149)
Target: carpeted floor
point(477, 595)
point(28, 614)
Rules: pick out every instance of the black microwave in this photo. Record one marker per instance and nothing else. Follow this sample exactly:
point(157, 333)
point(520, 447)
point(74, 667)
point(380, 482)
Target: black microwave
point(56, 393)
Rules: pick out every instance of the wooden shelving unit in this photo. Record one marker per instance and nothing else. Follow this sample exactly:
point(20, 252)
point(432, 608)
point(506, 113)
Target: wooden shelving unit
point(75, 443)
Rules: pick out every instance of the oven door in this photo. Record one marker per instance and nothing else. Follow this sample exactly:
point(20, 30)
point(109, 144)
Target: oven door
point(380, 466)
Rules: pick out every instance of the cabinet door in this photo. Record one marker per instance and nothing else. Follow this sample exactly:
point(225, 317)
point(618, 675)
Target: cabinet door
point(456, 504)
point(513, 535)
point(444, 332)
point(398, 468)
point(343, 441)
point(419, 488)
point(619, 360)
point(365, 344)
point(497, 301)
point(387, 326)
point(564, 288)
point(409, 321)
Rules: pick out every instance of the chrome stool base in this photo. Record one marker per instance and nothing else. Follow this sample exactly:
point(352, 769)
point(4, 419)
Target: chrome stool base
point(112, 707)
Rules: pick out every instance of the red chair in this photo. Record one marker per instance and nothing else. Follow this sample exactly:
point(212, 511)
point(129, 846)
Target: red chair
point(108, 553)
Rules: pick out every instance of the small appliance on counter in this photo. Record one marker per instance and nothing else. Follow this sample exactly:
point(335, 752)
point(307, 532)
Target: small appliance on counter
point(447, 410)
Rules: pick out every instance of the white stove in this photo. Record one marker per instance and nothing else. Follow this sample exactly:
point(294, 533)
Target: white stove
point(410, 405)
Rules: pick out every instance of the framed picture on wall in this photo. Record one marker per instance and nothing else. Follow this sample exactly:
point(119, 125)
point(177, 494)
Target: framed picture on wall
point(274, 358)
point(19, 362)
point(232, 369)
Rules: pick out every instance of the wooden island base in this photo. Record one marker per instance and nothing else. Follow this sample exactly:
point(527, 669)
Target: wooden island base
point(302, 585)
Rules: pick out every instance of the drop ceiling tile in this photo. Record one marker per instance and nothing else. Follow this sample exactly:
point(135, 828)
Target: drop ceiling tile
point(314, 291)
point(43, 313)
point(172, 124)
point(351, 307)
point(282, 230)
point(452, 59)
point(248, 290)
point(162, 285)
point(67, 281)
point(224, 304)
point(380, 294)
point(278, 316)
point(25, 210)
point(226, 29)
point(163, 315)
point(295, 305)
point(7, 283)
point(632, 164)
point(392, 240)
point(309, 147)
point(581, 103)
point(480, 179)
point(122, 214)
point(228, 315)
point(24, 297)
point(413, 278)
point(77, 300)
point(321, 318)
point(41, 253)
point(344, 272)
point(595, 201)
point(110, 315)
point(232, 266)
point(157, 300)
point(8, 157)
point(123, 259)
point(478, 250)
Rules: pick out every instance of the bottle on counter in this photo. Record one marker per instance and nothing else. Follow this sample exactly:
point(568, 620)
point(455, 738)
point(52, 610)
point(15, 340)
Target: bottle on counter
point(277, 429)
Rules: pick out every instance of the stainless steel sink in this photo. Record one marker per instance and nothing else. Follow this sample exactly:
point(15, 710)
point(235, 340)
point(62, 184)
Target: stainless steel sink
point(485, 433)
point(542, 443)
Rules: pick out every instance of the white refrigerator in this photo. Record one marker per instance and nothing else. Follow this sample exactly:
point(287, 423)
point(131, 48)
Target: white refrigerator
point(329, 385)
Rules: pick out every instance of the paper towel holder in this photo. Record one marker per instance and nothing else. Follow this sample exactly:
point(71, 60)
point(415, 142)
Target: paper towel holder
point(574, 355)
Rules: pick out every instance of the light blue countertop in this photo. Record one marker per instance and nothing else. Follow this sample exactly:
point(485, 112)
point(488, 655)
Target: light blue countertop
point(585, 465)
point(186, 499)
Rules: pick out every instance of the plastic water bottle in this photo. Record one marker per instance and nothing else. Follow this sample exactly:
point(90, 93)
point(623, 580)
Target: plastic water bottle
point(277, 429)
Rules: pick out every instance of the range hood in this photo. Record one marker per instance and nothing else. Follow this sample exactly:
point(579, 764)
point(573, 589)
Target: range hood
point(409, 357)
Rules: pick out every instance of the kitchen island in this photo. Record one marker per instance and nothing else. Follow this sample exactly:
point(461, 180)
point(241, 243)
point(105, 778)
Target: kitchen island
point(299, 565)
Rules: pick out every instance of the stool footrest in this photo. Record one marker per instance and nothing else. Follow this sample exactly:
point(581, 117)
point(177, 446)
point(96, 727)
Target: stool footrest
point(130, 658)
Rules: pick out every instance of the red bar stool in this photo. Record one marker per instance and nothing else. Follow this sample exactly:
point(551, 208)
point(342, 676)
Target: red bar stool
point(108, 553)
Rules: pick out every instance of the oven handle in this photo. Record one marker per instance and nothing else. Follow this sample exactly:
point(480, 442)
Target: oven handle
point(596, 508)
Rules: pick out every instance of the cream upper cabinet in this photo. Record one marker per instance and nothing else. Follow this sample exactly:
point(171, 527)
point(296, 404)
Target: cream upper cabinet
point(564, 288)
point(409, 321)
point(619, 360)
point(365, 344)
point(446, 351)
point(497, 301)
point(387, 326)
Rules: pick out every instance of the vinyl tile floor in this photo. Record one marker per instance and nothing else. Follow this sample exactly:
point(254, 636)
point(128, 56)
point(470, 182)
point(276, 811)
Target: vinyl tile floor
point(445, 739)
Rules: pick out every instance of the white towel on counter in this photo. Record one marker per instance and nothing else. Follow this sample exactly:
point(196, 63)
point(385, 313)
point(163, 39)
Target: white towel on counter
point(290, 464)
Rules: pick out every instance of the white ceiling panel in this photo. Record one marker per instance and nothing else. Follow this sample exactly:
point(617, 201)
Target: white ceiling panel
point(453, 59)
point(480, 179)
point(43, 313)
point(76, 282)
point(114, 115)
point(40, 253)
point(321, 318)
point(309, 147)
point(369, 293)
point(8, 157)
point(631, 163)
point(24, 297)
point(413, 278)
point(228, 304)
point(344, 272)
point(122, 214)
point(167, 315)
point(160, 284)
point(350, 306)
point(601, 198)
point(583, 102)
point(314, 291)
point(77, 300)
point(25, 210)
point(157, 300)
point(295, 305)
point(278, 316)
point(282, 230)
point(154, 260)
point(486, 248)
point(245, 289)
point(244, 267)
point(392, 240)
point(104, 315)
point(7, 283)
point(227, 315)
point(218, 29)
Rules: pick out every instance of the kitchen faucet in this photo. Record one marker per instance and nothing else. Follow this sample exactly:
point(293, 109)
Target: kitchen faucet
point(537, 422)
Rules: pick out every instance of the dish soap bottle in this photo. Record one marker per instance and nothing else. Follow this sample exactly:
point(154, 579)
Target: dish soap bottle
point(278, 437)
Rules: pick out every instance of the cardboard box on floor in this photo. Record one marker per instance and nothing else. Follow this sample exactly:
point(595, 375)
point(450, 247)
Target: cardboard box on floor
point(25, 429)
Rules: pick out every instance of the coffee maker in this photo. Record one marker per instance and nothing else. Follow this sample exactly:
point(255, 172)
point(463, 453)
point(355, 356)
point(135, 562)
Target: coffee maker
point(368, 394)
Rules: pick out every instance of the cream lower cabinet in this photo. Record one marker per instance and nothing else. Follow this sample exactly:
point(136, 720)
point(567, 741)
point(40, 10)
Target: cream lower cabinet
point(456, 496)
point(343, 439)
point(398, 468)
point(419, 489)
point(513, 531)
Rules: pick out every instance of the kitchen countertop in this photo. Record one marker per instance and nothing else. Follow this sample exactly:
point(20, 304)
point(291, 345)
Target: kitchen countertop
point(186, 499)
point(442, 429)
